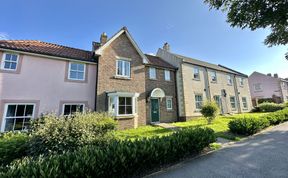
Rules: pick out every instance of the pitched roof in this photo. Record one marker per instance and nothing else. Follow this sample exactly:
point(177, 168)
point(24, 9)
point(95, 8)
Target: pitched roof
point(39, 47)
point(159, 62)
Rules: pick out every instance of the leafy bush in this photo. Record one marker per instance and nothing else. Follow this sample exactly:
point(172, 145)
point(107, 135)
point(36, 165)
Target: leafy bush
point(52, 134)
point(248, 125)
point(277, 117)
point(270, 107)
point(266, 100)
point(13, 146)
point(210, 110)
point(117, 159)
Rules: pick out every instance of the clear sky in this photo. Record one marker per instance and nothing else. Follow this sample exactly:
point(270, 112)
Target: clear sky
point(189, 27)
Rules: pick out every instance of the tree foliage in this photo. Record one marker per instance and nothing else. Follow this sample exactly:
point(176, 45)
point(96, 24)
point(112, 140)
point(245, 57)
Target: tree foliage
point(255, 14)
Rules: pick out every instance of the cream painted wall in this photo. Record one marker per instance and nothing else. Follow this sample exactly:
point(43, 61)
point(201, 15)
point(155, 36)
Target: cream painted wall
point(43, 79)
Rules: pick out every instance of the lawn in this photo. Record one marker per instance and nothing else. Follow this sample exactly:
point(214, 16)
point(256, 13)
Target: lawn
point(219, 125)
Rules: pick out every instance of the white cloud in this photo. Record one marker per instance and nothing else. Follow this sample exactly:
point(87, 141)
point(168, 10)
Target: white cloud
point(4, 36)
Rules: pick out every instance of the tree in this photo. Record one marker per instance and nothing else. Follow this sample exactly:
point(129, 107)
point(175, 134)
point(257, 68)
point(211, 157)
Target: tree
point(256, 14)
point(210, 110)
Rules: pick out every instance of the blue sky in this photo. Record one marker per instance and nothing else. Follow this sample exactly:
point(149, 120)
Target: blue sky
point(189, 27)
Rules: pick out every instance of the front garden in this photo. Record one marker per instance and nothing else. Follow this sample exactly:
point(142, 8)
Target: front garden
point(88, 144)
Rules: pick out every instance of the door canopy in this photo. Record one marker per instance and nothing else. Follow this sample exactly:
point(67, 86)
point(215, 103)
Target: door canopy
point(157, 93)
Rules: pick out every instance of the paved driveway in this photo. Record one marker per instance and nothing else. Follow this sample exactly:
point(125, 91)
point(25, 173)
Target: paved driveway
point(265, 155)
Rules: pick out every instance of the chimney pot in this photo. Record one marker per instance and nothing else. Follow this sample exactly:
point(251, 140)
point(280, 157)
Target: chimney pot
point(103, 38)
point(166, 47)
point(269, 74)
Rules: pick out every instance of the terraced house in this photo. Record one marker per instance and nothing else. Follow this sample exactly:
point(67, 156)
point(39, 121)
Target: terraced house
point(37, 78)
point(199, 81)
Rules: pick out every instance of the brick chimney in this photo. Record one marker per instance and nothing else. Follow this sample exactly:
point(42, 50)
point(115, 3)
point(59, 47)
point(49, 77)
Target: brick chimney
point(269, 74)
point(166, 47)
point(103, 38)
point(275, 75)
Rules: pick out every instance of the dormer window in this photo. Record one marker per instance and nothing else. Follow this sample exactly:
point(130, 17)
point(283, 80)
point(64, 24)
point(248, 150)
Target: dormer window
point(9, 62)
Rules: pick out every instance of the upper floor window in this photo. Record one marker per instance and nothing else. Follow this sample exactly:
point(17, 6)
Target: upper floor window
point(152, 73)
point(284, 85)
point(213, 76)
point(233, 102)
point(167, 75)
point(123, 68)
point(69, 109)
point(241, 81)
point(229, 80)
point(17, 116)
point(198, 101)
point(257, 87)
point(9, 61)
point(76, 71)
point(196, 73)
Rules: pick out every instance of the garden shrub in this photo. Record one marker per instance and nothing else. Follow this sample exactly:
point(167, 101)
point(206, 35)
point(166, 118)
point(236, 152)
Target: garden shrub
point(13, 145)
point(53, 134)
point(277, 117)
point(210, 110)
point(270, 107)
point(117, 159)
point(248, 125)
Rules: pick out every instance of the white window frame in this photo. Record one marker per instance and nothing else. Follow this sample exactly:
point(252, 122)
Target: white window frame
point(259, 88)
point(245, 104)
point(213, 75)
point(152, 73)
point(84, 71)
point(241, 81)
point(15, 117)
point(4, 60)
point(123, 68)
point(169, 99)
point(196, 102)
point(235, 102)
point(167, 75)
point(64, 104)
point(196, 71)
point(229, 80)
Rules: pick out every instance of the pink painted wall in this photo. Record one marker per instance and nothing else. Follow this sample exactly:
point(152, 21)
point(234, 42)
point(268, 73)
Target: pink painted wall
point(43, 79)
point(270, 85)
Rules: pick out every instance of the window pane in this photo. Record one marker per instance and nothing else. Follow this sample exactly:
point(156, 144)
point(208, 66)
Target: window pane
point(13, 65)
point(122, 101)
point(73, 66)
point(26, 123)
point(80, 108)
point(81, 67)
point(29, 110)
point(67, 110)
point(127, 68)
point(119, 69)
point(14, 58)
point(121, 110)
point(73, 108)
point(7, 65)
point(80, 75)
point(19, 124)
point(128, 109)
point(128, 101)
point(9, 124)
point(20, 110)
point(8, 57)
point(73, 74)
point(11, 111)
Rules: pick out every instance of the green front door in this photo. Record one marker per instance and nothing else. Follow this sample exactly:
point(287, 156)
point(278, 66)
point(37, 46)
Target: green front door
point(155, 115)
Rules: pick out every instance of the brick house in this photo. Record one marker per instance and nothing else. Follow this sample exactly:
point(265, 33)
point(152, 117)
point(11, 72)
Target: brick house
point(39, 78)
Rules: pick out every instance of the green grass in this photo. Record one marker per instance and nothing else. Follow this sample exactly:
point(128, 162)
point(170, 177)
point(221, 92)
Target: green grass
point(219, 125)
point(141, 132)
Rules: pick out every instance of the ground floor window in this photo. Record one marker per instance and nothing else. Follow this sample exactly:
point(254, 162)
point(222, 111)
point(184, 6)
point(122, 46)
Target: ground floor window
point(217, 99)
point(233, 102)
point(198, 101)
point(18, 116)
point(169, 103)
point(244, 101)
point(69, 109)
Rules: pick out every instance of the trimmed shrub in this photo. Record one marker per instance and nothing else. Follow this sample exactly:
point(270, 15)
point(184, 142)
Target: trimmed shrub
point(51, 134)
point(248, 125)
point(270, 107)
point(277, 117)
point(13, 145)
point(210, 110)
point(117, 159)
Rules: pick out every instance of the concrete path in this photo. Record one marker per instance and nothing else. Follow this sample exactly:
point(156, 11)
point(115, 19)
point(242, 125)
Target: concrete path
point(167, 126)
point(263, 155)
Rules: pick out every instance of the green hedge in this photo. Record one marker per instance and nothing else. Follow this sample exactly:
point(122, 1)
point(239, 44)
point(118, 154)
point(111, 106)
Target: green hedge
point(117, 159)
point(13, 146)
point(277, 117)
point(270, 107)
point(248, 125)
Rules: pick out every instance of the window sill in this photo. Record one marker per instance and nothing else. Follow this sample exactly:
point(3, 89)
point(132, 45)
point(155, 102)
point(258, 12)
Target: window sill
point(152, 78)
point(169, 110)
point(230, 84)
point(122, 77)
point(119, 117)
point(215, 82)
point(195, 79)
point(76, 81)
